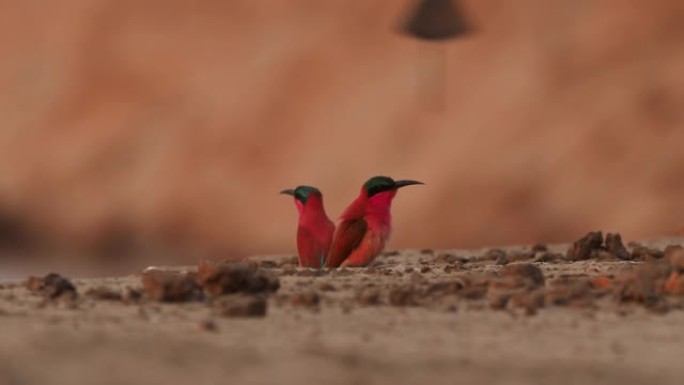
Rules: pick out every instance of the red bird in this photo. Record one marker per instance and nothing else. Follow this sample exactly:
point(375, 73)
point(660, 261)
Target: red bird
point(366, 223)
point(315, 229)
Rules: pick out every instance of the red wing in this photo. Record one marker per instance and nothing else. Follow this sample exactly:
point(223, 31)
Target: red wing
point(347, 238)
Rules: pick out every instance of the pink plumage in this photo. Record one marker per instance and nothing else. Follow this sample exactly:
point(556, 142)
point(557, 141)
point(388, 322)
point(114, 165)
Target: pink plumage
point(314, 230)
point(366, 224)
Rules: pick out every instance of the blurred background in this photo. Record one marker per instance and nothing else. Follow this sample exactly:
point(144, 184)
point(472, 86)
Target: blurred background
point(135, 130)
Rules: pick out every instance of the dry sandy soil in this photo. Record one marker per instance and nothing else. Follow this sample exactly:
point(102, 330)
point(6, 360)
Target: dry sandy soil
point(413, 317)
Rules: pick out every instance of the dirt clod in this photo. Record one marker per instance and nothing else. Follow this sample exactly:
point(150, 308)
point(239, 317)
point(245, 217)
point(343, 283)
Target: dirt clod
point(217, 278)
point(615, 246)
point(166, 286)
point(585, 247)
point(51, 286)
point(525, 274)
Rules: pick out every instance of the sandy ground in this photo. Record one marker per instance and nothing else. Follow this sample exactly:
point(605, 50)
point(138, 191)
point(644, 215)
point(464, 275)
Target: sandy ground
point(347, 337)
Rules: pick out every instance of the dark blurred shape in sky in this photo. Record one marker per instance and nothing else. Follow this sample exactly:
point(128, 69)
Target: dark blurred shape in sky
point(436, 20)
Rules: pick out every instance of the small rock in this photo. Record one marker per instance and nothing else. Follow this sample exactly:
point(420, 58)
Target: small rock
point(616, 247)
point(425, 269)
point(585, 247)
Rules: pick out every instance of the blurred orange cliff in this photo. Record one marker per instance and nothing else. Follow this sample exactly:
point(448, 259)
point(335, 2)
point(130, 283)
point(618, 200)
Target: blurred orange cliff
point(162, 125)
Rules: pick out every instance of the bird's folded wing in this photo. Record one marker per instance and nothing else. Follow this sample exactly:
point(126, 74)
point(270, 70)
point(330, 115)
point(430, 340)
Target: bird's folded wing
point(347, 238)
point(310, 251)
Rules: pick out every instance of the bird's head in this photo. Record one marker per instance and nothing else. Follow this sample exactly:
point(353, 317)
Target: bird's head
point(302, 194)
point(380, 184)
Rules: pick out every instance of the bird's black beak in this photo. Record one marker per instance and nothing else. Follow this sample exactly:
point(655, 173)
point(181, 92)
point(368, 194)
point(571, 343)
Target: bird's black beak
point(403, 183)
point(288, 192)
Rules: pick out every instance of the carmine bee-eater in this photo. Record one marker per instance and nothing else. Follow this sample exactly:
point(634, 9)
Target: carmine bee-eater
point(315, 230)
point(366, 224)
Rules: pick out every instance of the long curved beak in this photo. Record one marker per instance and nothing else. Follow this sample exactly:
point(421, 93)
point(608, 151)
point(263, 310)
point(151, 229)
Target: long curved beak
point(288, 192)
point(403, 183)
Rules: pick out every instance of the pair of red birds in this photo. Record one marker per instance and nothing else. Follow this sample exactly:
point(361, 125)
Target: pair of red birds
point(364, 228)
